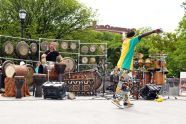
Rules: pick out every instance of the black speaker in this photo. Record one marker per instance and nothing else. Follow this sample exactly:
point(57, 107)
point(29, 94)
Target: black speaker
point(149, 91)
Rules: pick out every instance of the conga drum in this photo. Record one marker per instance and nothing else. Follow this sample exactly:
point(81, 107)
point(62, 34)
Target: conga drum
point(159, 77)
point(146, 77)
point(39, 79)
point(60, 68)
point(19, 81)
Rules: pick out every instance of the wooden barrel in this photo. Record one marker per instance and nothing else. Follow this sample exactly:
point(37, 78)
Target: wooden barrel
point(5, 64)
point(33, 48)
point(22, 49)
point(70, 64)
point(44, 46)
point(16, 70)
point(8, 48)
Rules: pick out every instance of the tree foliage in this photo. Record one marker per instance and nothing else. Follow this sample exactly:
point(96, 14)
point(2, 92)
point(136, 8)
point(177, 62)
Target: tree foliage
point(45, 18)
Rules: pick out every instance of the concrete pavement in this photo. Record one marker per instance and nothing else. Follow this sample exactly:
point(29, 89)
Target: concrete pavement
point(85, 110)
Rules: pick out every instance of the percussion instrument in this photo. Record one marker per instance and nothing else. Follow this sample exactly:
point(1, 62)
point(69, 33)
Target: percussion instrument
point(22, 49)
point(5, 64)
point(60, 68)
point(19, 81)
point(84, 60)
point(157, 65)
point(39, 79)
point(159, 77)
point(8, 48)
point(49, 70)
point(102, 48)
point(44, 46)
point(92, 60)
point(92, 48)
point(140, 62)
point(31, 71)
point(84, 49)
point(73, 46)
point(33, 48)
point(148, 62)
point(70, 64)
point(16, 70)
point(64, 45)
point(86, 76)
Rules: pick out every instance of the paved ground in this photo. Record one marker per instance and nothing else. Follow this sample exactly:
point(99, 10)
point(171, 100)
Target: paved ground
point(85, 110)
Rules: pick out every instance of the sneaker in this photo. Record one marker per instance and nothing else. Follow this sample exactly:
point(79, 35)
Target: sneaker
point(116, 102)
point(125, 103)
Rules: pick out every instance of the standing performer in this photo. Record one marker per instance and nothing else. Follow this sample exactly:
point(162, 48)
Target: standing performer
point(125, 63)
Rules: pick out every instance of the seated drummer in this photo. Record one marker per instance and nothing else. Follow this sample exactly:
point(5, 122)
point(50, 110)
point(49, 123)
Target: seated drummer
point(51, 54)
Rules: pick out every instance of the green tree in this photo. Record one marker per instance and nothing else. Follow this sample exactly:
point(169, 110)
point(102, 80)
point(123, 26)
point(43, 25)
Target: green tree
point(45, 18)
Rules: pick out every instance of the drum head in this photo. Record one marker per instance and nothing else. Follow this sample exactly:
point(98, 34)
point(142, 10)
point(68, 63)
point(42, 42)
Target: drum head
point(8, 48)
point(44, 46)
point(84, 49)
point(102, 48)
point(70, 64)
point(64, 45)
point(92, 60)
point(22, 49)
point(5, 64)
point(10, 70)
point(84, 60)
point(33, 48)
point(73, 46)
point(92, 48)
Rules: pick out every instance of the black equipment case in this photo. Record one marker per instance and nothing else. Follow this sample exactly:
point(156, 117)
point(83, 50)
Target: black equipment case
point(150, 91)
point(54, 90)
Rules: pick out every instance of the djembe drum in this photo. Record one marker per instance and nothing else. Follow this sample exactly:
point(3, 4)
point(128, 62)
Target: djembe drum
point(38, 79)
point(60, 68)
point(19, 80)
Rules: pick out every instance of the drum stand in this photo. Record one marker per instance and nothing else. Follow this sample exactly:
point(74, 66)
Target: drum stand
point(103, 74)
